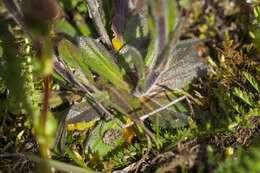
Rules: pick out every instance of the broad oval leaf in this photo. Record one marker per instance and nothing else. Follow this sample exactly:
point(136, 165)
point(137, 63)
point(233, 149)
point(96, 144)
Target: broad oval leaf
point(105, 138)
point(179, 70)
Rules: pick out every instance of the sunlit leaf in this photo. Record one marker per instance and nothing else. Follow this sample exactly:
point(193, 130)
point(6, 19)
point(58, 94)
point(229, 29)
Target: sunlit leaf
point(74, 58)
point(82, 25)
point(252, 81)
point(244, 96)
point(171, 15)
point(105, 137)
point(183, 66)
point(76, 157)
point(102, 62)
point(82, 126)
point(62, 26)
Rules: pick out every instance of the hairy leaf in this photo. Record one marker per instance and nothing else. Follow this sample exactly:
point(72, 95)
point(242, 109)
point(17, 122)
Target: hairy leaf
point(180, 69)
point(105, 137)
point(152, 51)
point(97, 13)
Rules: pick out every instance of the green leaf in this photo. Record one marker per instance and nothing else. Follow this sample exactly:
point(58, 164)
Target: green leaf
point(153, 46)
point(133, 63)
point(81, 25)
point(162, 25)
point(252, 81)
point(1, 51)
point(244, 96)
point(62, 26)
point(123, 100)
point(246, 161)
point(74, 58)
point(182, 67)
point(136, 28)
point(105, 137)
point(101, 61)
point(62, 166)
point(186, 4)
point(76, 158)
point(254, 111)
point(172, 13)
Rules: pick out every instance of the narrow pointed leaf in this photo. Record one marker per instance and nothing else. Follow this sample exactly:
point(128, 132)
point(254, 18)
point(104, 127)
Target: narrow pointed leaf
point(98, 15)
point(162, 21)
point(254, 83)
point(62, 26)
point(66, 74)
point(134, 64)
point(171, 15)
point(101, 61)
point(73, 57)
point(244, 96)
point(152, 51)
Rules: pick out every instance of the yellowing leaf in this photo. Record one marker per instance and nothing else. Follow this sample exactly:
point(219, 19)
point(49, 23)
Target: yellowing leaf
point(81, 126)
point(128, 134)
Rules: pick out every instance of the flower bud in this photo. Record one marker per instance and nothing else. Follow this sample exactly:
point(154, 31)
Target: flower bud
point(40, 11)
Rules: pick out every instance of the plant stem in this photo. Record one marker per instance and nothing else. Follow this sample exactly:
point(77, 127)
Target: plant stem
point(46, 95)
